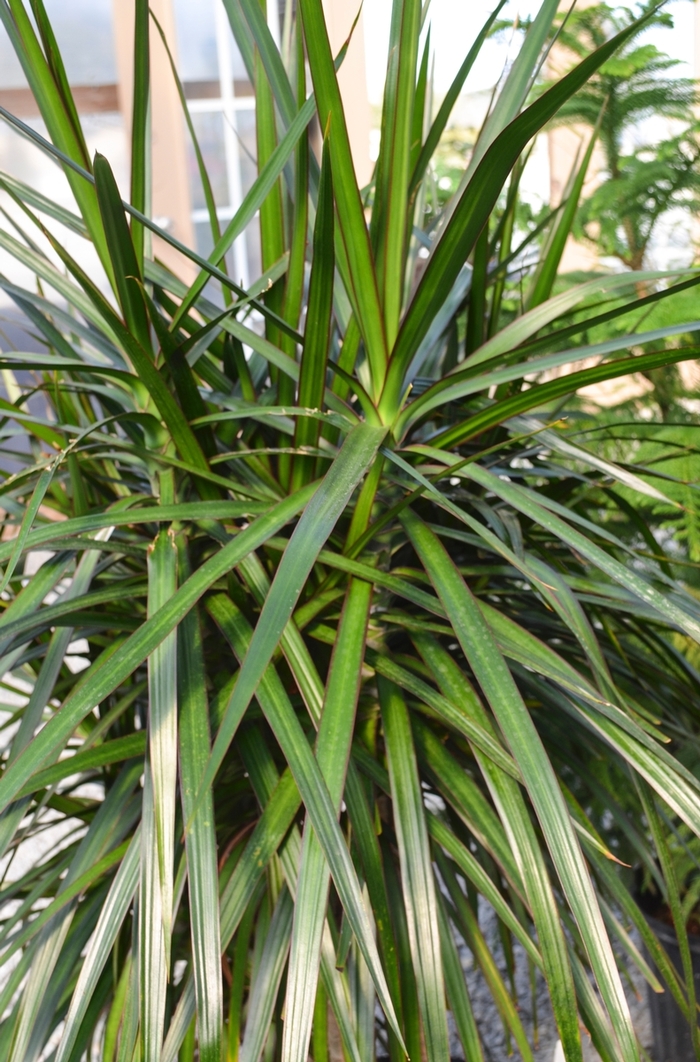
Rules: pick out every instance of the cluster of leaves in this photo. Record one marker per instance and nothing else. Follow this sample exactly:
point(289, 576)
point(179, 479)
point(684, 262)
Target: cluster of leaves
point(362, 653)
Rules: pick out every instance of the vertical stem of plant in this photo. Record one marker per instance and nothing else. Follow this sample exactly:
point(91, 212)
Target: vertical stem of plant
point(363, 510)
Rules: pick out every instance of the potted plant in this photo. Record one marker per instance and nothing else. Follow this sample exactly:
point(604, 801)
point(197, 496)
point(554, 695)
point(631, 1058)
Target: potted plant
point(363, 645)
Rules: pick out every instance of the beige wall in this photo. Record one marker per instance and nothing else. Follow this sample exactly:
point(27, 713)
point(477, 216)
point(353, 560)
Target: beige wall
point(340, 15)
point(171, 204)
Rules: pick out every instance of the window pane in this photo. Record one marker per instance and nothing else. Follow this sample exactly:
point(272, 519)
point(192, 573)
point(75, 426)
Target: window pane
point(196, 40)
point(247, 147)
point(85, 37)
point(196, 28)
point(209, 128)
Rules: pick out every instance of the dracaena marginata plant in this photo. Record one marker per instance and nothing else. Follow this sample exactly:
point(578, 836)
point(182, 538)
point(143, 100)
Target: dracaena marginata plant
point(367, 643)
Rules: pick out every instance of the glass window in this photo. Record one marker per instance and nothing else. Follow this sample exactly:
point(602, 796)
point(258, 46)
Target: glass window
point(209, 129)
point(198, 27)
point(222, 106)
point(195, 25)
point(85, 35)
point(245, 128)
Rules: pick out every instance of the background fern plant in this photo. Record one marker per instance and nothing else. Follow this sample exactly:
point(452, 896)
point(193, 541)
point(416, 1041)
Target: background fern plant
point(641, 182)
point(364, 643)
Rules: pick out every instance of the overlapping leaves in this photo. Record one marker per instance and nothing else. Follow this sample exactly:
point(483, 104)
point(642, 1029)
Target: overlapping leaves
point(367, 649)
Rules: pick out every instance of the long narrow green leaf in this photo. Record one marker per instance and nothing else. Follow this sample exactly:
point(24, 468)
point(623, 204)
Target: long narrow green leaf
point(593, 1014)
point(606, 873)
point(332, 752)
point(200, 841)
point(140, 126)
point(264, 775)
point(370, 854)
point(40, 697)
point(107, 674)
point(59, 119)
point(117, 1010)
point(266, 838)
point(83, 525)
point(32, 509)
point(452, 714)
point(451, 96)
point(31, 596)
point(670, 878)
point(416, 869)
point(521, 858)
point(126, 748)
point(506, 703)
point(390, 213)
point(312, 375)
point(121, 248)
point(111, 918)
point(472, 933)
point(460, 1004)
point(552, 252)
point(464, 795)
point(314, 527)
point(363, 293)
point(252, 201)
point(162, 723)
point(525, 502)
point(191, 255)
point(242, 35)
point(129, 1027)
point(113, 820)
point(168, 408)
point(518, 83)
point(265, 986)
point(65, 899)
point(452, 389)
point(472, 209)
point(201, 166)
point(152, 939)
point(471, 867)
point(295, 650)
point(270, 56)
point(274, 701)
